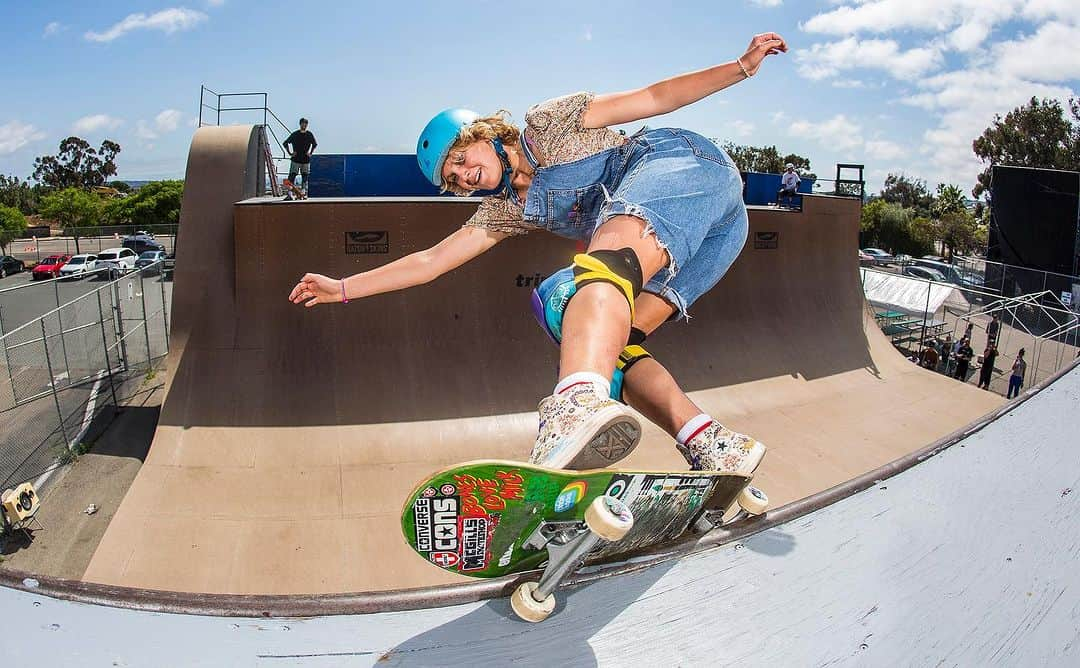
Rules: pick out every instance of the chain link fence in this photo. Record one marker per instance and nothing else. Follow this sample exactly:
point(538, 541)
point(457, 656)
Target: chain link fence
point(65, 373)
point(1044, 323)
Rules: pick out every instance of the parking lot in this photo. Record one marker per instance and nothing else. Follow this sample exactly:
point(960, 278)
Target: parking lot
point(95, 343)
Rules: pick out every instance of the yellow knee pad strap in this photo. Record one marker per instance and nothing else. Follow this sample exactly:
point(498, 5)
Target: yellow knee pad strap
point(591, 269)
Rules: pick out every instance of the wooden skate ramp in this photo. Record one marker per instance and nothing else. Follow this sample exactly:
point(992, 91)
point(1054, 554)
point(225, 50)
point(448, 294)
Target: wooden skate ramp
point(289, 437)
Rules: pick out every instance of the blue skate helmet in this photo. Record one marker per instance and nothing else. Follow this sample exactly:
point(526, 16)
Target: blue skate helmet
point(438, 136)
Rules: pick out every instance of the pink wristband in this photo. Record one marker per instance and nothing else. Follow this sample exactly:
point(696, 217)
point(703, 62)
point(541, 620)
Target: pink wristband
point(344, 299)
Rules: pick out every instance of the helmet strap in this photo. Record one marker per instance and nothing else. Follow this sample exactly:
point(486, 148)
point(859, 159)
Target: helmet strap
point(507, 169)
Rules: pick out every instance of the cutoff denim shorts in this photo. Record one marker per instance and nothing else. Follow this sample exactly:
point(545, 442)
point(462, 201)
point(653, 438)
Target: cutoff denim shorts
point(686, 189)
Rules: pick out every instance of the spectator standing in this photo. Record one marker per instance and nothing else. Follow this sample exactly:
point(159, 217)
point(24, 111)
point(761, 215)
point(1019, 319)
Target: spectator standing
point(987, 371)
point(992, 330)
point(1016, 380)
point(789, 185)
point(964, 353)
point(300, 145)
point(946, 352)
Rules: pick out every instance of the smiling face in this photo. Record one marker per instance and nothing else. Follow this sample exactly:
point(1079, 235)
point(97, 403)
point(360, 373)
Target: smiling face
point(476, 167)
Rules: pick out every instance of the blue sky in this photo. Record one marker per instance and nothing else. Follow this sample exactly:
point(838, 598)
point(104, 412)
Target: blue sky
point(899, 85)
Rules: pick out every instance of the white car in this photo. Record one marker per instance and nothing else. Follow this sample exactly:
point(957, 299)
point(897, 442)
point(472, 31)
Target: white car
point(116, 261)
point(78, 265)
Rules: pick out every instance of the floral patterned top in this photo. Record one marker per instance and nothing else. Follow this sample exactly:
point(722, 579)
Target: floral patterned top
point(555, 135)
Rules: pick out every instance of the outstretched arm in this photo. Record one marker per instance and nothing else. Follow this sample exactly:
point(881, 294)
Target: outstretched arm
point(679, 91)
point(414, 269)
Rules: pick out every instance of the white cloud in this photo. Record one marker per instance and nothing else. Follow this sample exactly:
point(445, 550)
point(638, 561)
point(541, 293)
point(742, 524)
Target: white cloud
point(742, 128)
point(838, 132)
point(845, 135)
point(884, 150)
point(215, 3)
point(829, 59)
point(144, 131)
point(167, 20)
point(95, 123)
point(14, 135)
point(965, 103)
point(168, 120)
point(587, 36)
point(1048, 55)
point(53, 28)
point(965, 24)
point(767, 3)
point(988, 72)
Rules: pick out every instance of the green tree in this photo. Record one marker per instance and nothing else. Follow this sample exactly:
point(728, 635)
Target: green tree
point(77, 165)
point(767, 159)
point(74, 209)
point(156, 203)
point(949, 199)
point(1038, 134)
point(890, 226)
point(957, 232)
point(12, 226)
point(20, 194)
point(909, 193)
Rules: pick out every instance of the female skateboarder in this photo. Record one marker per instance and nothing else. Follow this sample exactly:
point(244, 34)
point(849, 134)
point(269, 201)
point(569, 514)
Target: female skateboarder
point(662, 214)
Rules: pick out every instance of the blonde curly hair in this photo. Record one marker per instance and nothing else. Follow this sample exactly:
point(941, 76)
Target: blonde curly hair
point(485, 128)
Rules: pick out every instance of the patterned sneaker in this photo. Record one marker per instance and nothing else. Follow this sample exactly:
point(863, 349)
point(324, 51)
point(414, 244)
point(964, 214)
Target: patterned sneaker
point(716, 448)
point(582, 429)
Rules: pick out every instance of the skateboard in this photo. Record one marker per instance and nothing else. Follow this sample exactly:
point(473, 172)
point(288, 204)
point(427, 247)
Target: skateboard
point(490, 518)
point(292, 191)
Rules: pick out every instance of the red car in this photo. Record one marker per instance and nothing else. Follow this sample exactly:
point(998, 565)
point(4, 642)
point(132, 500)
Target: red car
point(50, 267)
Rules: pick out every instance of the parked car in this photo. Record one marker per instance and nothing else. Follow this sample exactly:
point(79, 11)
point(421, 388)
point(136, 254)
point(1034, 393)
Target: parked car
point(866, 259)
point(142, 242)
point(9, 265)
point(170, 264)
point(902, 259)
point(115, 262)
point(935, 258)
point(79, 265)
point(49, 267)
point(925, 273)
point(880, 256)
point(951, 273)
point(147, 258)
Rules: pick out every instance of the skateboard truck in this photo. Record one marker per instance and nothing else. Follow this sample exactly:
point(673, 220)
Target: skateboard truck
point(751, 501)
point(567, 544)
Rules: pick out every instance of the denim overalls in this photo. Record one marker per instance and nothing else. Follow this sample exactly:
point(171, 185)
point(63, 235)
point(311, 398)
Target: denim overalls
point(685, 188)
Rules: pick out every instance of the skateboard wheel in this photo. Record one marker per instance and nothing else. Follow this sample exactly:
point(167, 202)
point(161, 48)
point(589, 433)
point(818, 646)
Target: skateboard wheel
point(608, 518)
point(528, 608)
point(753, 500)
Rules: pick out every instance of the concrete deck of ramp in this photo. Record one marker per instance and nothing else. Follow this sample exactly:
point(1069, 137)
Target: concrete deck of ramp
point(290, 437)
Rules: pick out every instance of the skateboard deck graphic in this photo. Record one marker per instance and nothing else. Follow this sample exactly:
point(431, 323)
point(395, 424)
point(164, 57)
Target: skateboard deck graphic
point(490, 518)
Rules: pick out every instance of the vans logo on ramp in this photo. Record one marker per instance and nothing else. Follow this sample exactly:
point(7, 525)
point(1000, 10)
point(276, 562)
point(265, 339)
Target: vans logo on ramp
point(766, 240)
point(367, 243)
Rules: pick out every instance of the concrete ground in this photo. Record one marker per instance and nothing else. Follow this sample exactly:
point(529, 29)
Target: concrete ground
point(65, 538)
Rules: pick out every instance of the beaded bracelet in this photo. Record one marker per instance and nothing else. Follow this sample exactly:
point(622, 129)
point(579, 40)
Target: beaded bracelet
point(741, 67)
point(344, 299)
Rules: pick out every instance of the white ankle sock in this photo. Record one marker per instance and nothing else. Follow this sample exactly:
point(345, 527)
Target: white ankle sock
point(691, 428)
point(603, 384)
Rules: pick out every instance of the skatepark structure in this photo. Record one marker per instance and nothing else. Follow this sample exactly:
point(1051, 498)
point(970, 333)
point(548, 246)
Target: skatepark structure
point(289, 438)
